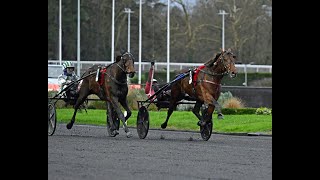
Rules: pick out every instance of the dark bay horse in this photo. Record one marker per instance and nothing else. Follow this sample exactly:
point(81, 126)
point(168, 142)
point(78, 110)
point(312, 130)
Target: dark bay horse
point(206, 88)
point(109, 83)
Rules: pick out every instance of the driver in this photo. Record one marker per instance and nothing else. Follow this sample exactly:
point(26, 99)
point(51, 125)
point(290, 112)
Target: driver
point(152, 86)
point(67, 77)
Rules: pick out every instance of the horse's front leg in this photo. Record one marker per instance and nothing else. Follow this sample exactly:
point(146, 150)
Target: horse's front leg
point(124, 104)
point(114, 101)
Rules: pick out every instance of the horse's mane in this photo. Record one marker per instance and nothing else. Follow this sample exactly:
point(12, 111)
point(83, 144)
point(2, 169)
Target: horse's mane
point(211, 61)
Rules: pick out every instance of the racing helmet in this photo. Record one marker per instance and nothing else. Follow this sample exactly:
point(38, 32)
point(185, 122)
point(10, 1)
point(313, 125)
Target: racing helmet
point(68, 68)
point(67, 64)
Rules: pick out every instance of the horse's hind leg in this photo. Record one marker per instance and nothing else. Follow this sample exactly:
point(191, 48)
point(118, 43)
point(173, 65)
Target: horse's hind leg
point(175, 97)
point(217, 105)
point(80, 100)
point(207, 114)
point(172, 106)
point(110, 116)
point(196, 110)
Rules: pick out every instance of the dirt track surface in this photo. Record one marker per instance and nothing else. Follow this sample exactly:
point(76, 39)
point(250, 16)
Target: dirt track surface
point(87, 152)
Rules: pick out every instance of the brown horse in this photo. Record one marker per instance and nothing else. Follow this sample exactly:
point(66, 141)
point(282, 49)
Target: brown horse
point(109, 83)
point(206, 88)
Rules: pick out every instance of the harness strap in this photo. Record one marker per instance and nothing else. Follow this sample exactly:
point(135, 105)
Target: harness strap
point(211, 82)
point(103, 71)
point(215, 74)
point(115, 80)
point(120, 68)
point(195, 74)
point(101, 75)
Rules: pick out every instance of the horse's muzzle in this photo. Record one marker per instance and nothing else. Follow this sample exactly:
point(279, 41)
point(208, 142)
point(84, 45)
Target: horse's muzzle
point(233, 75)
point(131, 75)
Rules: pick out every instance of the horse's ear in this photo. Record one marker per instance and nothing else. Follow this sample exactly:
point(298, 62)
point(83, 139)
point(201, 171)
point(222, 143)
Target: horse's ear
point(118, 58)
point(215, 59)
point(122, 51)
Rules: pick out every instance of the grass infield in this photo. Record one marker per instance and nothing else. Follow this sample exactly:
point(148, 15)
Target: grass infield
point(179, 120)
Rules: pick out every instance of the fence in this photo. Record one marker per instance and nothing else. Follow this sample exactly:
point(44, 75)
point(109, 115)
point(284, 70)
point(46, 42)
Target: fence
point(253, 96)
point(162, 66)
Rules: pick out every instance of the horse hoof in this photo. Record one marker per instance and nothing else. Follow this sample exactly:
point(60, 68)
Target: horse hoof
point(220, 116)
point(163, 126)
point(115, 133)
point(69, 126)
point(129, 134)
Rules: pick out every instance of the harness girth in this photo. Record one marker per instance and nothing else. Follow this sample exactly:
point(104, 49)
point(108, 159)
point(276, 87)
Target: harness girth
point(103, 71)
point(195, 78)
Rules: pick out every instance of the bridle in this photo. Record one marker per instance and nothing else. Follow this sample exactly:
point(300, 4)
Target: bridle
point(122, 69)
point(226, 70)
point(123, 62)
point(221, 58)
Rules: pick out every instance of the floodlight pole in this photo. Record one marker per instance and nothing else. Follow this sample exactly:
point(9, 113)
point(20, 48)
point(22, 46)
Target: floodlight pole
point(168, 42)
point(222, 12)
point(128, 10)
point(140, 41)
point(60, 34)
point(112, 33)
point(78, 41)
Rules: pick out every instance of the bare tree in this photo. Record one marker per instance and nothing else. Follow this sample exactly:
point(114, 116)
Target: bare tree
point(243, 18)
point(195, 29)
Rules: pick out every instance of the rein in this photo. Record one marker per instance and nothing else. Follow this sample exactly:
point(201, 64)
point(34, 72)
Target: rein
point(114, 79)
point(215, 74)
point(211, 82)
point(121, 68)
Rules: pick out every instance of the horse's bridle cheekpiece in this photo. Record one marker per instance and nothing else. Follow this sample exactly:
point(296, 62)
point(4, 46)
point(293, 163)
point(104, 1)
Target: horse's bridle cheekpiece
point(126, 53)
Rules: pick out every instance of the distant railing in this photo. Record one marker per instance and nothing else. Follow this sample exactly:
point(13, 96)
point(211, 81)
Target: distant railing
point(162, 66)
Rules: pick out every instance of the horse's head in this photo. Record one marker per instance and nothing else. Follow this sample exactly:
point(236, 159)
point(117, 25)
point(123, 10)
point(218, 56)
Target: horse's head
point(127, 61)
point(226, 60)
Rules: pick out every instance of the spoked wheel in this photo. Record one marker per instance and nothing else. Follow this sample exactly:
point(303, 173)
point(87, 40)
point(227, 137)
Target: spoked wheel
point(116, 123)
point(143, 122)
point(206, 130)
point(52, 119)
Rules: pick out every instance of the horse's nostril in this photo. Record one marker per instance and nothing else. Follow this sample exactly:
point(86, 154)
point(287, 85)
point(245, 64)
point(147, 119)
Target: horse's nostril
point(131, 75)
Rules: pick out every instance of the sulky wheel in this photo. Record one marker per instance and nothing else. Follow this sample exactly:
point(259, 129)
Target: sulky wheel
point(52, 119)
point(143, 122)
point(206, 130)
point(116, 123)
